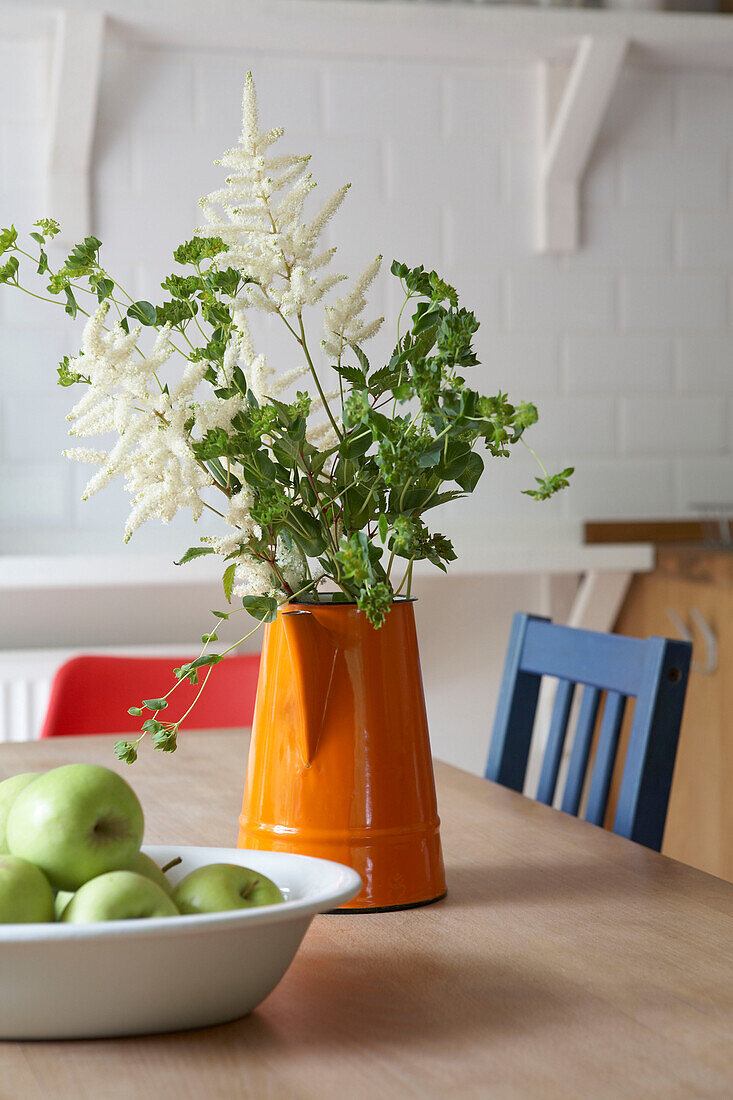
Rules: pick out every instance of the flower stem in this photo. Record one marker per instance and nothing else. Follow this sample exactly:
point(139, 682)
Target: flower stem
point(304, 345)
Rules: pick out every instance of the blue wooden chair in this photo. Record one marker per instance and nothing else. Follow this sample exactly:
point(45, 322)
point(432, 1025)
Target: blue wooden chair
point(654, 672)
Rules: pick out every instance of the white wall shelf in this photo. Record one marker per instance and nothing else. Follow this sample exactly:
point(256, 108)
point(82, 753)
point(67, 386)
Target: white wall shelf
point(380, 28)
point(594, 44)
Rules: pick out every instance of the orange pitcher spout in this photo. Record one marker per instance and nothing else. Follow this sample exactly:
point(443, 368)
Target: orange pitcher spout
point(313, 651)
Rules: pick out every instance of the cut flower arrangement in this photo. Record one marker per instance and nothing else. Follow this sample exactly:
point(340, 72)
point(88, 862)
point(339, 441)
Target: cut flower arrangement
point(315, 481)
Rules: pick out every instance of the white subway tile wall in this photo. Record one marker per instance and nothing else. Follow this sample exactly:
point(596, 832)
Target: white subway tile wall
point(626, 345)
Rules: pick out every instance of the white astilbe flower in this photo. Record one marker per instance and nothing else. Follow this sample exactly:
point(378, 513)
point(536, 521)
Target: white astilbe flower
point(282, 382)
point(254, 577)
point(85, 454)
point(217, 413)
point(343, 321)
point(233, 544)
point(276, 246)
point(152, 453)
point(259, 216)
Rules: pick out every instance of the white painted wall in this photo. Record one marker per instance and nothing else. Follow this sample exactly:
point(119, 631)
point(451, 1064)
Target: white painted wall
point(626, 346)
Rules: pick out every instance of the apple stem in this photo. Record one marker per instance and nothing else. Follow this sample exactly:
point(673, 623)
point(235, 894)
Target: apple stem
point(172, 863)
point(248, 889)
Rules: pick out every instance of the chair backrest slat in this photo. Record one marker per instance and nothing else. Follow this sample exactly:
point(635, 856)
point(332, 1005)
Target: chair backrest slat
point(515, 711)
point(653, 671)
point(647, 778)
point(606, 661)
point(589, 704)
point(555, 741)
point(600, 782)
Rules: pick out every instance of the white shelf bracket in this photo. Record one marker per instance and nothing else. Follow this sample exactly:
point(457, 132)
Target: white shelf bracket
point(575, 103)
point(77, 63)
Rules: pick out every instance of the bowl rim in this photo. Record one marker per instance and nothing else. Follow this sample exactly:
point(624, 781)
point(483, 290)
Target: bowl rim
point(184, 924)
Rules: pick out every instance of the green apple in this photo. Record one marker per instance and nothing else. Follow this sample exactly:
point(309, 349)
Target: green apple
point(25, 892)
point(76, 822)
point(9, 791)
point(62, 899)
point(224, 886)
point(144, 865)
point(118, 895)
point(141, 865)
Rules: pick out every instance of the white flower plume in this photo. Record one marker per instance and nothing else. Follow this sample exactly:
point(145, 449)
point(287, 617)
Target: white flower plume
point(152, 452)
point(260, 215)
point(343, 321)
point(267, 237)
point(271, 242)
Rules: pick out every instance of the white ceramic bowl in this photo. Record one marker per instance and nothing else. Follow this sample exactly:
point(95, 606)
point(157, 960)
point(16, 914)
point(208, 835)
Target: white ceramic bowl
point(135, 977)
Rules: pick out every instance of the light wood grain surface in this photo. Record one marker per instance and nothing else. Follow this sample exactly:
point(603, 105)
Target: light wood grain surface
point(565, 962)
point(700, 819)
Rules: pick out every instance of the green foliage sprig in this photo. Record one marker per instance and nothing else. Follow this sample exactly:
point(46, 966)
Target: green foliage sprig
point(412, 434)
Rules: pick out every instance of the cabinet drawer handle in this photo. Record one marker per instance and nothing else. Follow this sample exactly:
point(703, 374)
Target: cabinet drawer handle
point(710, 664)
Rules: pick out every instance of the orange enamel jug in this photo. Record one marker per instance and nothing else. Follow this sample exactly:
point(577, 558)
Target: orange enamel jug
point(339, 763)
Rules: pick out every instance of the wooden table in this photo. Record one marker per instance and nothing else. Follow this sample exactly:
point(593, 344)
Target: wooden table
point(565, 962)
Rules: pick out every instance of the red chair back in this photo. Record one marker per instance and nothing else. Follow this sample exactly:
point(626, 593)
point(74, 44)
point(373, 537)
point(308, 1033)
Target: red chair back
point(92, 694)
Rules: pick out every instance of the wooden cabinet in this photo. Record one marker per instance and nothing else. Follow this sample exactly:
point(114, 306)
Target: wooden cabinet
point(699, 827)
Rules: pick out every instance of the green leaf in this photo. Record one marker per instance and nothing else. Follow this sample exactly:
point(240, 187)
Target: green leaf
point(136, 711)
point(8, 237)
point(472, 472)
point(355, 444)
point(427, 315)
point(83, 256)
point(67, 376)
point(439, 498)
point(195, 552)
point(142, 312)
point(352, 375)
point(9, 270)
point(221, 614)
point(383, 528)
point(152, 725)
point(71, 307)
point(206, 638)
point(548, 486)
point(190, 670)
point(125, 751)
point(457, 459)
point(155, 704)
point(164, 740)
point(263, 608)
point(387, 378)
point(431, 457)
point(204, 661)
point(228, 581)
point(104, 288)
point(197, 249)
point(364, 362)
point(307, 531)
